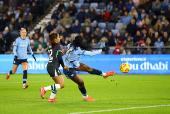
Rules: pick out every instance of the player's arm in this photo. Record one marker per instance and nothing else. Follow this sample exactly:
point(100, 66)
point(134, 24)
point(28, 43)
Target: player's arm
point(30, 50)
point(64, 52)
point(92, 53)
point(15, 47)
point(59, 56)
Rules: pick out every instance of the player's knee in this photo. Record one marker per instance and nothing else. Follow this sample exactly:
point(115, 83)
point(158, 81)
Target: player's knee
point(13, 72)
point(62, 85)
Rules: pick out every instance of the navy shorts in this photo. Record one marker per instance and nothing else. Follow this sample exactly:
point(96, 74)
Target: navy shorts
point(19, 61)
point(53, 70)
point(71, 73)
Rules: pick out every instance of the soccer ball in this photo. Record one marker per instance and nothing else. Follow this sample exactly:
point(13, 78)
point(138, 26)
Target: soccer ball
point(124, 68)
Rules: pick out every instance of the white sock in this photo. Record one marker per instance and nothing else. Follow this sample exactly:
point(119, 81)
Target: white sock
point(103, 74)
point(47, 88)
point(57, 87)
point(52, 95)
point(86, 96)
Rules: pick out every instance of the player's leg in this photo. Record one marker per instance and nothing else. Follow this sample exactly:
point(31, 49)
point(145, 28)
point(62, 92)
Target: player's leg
point(77, 79)
point(14, 69)
point(25, 68)
point(86, 68)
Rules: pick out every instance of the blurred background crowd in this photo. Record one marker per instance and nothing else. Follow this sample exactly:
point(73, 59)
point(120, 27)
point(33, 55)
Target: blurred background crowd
point(129, 26)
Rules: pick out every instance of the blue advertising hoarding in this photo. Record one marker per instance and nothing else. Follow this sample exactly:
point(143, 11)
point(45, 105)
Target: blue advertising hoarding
point(139, 64)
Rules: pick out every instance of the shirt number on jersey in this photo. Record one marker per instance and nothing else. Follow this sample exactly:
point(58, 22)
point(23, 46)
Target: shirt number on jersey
point(50, 55)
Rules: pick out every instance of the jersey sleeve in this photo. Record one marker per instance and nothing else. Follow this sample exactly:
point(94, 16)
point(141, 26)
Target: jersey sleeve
point(59, 56)
point(68, 46)
point(15, 47)
point(92, 53)
point(29, 48)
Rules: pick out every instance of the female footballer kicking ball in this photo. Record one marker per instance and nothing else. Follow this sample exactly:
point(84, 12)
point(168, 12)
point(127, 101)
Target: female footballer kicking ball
point(21, 45)
point(73, 54)
point(55, 59)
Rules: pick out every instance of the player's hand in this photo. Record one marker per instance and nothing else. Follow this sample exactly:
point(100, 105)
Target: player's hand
point(66, 67)
point(34, 57)
point(105, 48)
point(16, 58)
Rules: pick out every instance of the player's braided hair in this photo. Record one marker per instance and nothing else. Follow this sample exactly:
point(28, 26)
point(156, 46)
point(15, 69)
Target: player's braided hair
point(52, 36)
point(79, 42)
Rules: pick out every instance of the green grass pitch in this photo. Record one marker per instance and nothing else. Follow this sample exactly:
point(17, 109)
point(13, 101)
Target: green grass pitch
point(119, 94)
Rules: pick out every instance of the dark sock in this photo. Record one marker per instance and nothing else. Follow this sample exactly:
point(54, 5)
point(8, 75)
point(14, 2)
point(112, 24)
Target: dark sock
point(24, 76)
point(53, 89)
point(97, 72)
point(83, 91)
point(10, 72)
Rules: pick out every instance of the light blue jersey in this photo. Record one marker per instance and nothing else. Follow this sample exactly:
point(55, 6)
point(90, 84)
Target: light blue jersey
point(20, 48)
point(72, 56)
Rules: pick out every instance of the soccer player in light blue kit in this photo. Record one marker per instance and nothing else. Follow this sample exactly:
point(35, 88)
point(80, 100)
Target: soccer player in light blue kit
point(73, 54)
point(21, 45)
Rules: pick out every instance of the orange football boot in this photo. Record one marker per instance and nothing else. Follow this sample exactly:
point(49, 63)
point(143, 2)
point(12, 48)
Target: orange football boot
point(88, 98)
point(109, 74)
point(42, 92)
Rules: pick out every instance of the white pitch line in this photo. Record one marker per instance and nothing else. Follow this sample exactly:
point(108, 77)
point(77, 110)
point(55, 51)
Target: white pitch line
point(21, 82)
point(120, 109)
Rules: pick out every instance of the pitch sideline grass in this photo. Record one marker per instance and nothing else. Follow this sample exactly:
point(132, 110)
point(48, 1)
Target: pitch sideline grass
point(119, 91)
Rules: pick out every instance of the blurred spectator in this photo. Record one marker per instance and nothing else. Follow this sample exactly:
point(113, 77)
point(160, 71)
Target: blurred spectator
point(136, 2)
point(148, 5)
point(163, 20)
point(33, 48)
point(167, 13)
point(133, 13)
point(137, 36)
point(151, 13)
point(106, 15)
point(128, 43)
point(40, 41)
point(34, 10)
point(98, 33)
point(55, 15)
point(154, 20)
point(130, 5)
point(164, 6)
point(142, 15)
point(40, 49)
point(141, 42)
point(150, 33)
point(132, 28)
point(81, 15)
point(122, 50)
point(154, 38)
point(94, 26)
point(103, 42)
point(121, 4)
point(10, 13)
point(91, 14)
point(41, 5)
point(148, 25)
point(128, 52)
point(62, 14)
point(115, 15)
point(47, 44)
point(147, 45)
point(27, 17)
point(2, 44)
point(111, 39)
point(118, 44)
point(59, 28)
point(83, 28)
point(72, 9)
point(94, 42)
point(73, 36)
point(66, 42)
point(43, 26)
point(117, 37)
point(13, 3)
point(165, 37)
point(13, 25)
point(46, 34)
point(31, 39)
point(36, 38)
point(165, 27)
point(51, 26)
point(3, 22)
point(62, 39)
point(76, 27)
point(123, 11)
point(18, 14)
point(126, 19)
point(147, 18)
point(106, 32)
point(98, 16)
point(93, 36)
point(8, 37)
point(140, 28)
point(87, 34)
point(156, 6)
point(23, 8)
point(66, 19)
point(125, 36)
point(141, 3)
point(110, 6)
point(68, 28)
point(61, 6)
point(3, 8)
point(63, 32)
point(159, 44)
point(167, 51)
